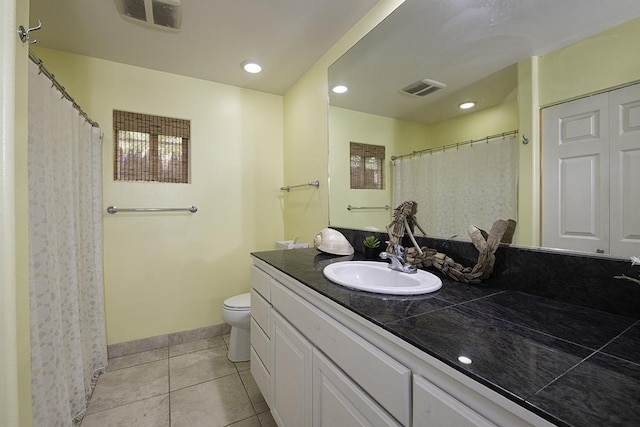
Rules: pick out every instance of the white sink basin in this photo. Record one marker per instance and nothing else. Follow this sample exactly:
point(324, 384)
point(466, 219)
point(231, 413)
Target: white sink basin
point(378, 277)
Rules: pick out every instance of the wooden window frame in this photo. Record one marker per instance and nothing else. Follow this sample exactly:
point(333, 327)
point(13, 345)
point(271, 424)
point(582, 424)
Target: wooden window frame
point(361, 177)
point(155, 127)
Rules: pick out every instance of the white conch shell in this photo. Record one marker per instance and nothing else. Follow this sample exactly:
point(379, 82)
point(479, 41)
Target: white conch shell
point(332, 242)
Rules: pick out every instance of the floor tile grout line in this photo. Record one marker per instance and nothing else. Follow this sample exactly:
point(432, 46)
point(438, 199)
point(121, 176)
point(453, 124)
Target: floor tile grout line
point(244, 386)
point(203, 382)
point(125, 404)
point(243, 419)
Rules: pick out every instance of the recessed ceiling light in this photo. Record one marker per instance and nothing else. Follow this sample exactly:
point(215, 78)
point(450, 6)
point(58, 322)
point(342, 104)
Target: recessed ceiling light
point(340, 89)
point(251, 67)
point(465, 360)
point(467, 105)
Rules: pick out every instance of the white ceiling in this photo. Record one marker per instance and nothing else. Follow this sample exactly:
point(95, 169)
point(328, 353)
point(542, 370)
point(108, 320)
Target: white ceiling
point(459, 42)
point(286, 36)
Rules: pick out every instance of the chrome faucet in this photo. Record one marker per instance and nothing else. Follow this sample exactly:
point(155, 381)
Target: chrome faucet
point(398, 261)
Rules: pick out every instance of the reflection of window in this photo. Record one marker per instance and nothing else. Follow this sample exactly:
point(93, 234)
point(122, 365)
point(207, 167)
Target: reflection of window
point(150, 148)
point(367, 165)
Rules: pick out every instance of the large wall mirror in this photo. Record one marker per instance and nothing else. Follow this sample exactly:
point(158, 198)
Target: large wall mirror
point(511, 58)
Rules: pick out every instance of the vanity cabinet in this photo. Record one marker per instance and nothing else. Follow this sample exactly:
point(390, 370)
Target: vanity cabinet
point(299, 362)
point(327, 366)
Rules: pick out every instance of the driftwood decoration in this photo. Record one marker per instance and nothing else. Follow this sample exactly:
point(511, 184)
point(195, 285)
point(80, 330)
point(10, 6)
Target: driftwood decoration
point(404, 219)
point(486, 244)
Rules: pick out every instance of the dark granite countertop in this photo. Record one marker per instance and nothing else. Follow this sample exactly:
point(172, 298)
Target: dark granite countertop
point(571, 365)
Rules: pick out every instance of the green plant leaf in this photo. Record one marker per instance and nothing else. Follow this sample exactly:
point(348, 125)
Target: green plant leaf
point(371, 242)
point(624, 277)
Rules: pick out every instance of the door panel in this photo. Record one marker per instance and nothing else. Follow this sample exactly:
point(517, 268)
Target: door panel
point(579, 197)
point(575, 175)
point(625, 171)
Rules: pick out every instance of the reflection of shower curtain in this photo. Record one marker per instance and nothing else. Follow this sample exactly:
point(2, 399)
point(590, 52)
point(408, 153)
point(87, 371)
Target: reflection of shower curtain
point(457, 187)
point(68, 342)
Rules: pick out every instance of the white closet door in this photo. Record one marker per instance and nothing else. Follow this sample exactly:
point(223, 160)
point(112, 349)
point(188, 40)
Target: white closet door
point(575, 175)
point(625, 170)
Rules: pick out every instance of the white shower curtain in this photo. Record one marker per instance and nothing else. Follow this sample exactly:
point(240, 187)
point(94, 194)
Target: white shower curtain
point(68, 341)
point(473, 184)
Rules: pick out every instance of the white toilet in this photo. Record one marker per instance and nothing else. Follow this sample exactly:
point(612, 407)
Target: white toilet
point(237, 313)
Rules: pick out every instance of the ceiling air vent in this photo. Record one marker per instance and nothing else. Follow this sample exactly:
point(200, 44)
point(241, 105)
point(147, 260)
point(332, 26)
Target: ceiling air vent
point(163, 14)
point(423, 87)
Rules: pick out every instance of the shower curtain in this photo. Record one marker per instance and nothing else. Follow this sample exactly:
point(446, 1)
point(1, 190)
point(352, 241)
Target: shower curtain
point(474, 184)
point(68, 341)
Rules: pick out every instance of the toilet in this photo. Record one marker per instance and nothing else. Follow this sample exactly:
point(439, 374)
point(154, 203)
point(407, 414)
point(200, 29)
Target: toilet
point(237, 313)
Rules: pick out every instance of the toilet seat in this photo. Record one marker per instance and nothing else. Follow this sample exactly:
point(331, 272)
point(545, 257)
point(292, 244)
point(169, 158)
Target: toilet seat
point(240, 302)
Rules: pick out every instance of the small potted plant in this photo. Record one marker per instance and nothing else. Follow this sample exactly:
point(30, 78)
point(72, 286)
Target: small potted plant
point(371, 247)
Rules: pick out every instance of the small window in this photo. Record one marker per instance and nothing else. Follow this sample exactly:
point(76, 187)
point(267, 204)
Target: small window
point(150, 148)
point(367, 166)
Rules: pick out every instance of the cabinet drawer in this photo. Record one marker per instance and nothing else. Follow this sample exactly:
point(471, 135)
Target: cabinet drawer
point(261, 344)
point(262, 376)
point(261, 312)
point(433, 406)
point(381, 376)
point(261, 282)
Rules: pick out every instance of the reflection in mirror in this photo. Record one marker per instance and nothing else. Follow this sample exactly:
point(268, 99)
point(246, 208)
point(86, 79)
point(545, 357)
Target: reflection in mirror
point(510, 59)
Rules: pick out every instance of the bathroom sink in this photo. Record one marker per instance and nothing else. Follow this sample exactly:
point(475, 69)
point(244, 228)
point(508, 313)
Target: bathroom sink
point(378, 277)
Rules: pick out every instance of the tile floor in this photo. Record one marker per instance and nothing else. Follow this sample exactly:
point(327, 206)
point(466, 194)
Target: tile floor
point(191, 384)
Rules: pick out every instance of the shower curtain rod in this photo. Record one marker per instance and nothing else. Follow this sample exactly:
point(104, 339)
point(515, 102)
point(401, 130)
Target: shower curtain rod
point(457, 144)
point(61, 88)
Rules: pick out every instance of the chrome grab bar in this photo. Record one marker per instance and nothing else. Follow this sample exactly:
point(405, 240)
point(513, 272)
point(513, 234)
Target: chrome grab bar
point(114, 209)
point(385, 207)
point(315, 183)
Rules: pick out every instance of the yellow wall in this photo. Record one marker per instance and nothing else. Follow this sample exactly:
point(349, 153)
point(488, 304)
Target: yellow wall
point(528, 154)
point(396, 136)
point(169, 272)
point(605, 60)
point(306, 134)
point(501, 118)
point(15, 371)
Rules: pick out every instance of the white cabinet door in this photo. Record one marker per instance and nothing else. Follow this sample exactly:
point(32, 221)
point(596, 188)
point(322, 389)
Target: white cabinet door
point(625, 171)
point(433, 407)
point(291, 376)
point(339, 402)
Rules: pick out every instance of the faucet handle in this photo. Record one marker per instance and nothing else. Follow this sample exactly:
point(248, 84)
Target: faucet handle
point(399, 250)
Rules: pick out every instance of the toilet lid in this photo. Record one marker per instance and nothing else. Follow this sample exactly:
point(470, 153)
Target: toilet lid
point(239, 302)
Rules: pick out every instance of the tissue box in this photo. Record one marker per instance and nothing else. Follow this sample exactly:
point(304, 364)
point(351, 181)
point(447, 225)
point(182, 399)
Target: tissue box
point(289, 244)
